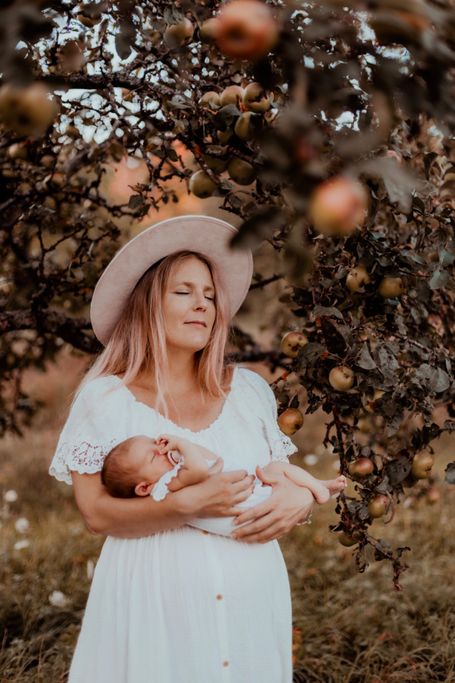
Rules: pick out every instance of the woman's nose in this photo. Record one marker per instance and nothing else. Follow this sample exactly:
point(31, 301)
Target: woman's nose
point(200, 302)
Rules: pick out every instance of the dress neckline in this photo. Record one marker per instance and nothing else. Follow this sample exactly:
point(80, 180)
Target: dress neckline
point(174, 424)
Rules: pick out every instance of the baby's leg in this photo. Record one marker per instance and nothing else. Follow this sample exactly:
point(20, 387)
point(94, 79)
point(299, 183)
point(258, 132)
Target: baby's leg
point(335, 485)
point(321, 490)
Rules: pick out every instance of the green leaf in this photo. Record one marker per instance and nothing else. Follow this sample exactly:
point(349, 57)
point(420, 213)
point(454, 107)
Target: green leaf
point(327, 312)
point(365, 360)
point(439, 279)
point(450, 473)
point(446, 258)
point(398, 469)
point(440, 381)
point(260, 226)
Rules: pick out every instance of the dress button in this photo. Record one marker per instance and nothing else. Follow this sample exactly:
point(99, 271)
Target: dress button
point(226, 663)
point(219, 596)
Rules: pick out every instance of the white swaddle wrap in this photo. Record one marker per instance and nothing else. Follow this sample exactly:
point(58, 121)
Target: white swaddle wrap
point(215, 525)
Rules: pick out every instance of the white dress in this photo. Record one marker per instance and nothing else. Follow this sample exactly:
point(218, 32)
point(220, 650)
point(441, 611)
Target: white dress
point(215, 525)
point(183, 605)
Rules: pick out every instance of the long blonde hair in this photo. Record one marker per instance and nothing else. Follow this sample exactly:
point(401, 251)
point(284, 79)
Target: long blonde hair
point(138, 342)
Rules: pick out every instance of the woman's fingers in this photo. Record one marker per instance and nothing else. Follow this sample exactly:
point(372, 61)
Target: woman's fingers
point(235, 476)
point(268, 534)
point(242, 497)
point(244, 484)
point(254, 513)
point(217, 466)
point(262, 524)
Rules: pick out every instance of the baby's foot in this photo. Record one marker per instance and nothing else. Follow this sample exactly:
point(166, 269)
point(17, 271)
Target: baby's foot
point(320, 491)
point(335, 485)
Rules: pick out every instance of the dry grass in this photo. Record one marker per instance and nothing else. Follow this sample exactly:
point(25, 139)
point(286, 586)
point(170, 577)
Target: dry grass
point(349, 627)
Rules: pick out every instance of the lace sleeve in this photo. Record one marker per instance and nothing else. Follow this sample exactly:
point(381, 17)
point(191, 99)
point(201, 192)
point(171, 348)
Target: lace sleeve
point(281, 446)
point(93, 427)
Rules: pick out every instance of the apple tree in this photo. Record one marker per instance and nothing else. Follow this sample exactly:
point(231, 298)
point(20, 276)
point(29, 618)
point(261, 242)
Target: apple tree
point(326, 127)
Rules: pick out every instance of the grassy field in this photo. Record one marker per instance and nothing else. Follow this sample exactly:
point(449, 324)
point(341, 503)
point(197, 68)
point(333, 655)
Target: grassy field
point(348, 627)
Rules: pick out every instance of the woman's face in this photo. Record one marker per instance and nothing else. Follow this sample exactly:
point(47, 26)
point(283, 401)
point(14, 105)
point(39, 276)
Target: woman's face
point(189, 297)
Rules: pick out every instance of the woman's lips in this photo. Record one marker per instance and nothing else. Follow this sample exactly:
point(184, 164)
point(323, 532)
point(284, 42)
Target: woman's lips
point(198, 324)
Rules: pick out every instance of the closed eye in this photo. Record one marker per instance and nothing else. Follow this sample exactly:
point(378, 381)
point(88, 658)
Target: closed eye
point(207, 297)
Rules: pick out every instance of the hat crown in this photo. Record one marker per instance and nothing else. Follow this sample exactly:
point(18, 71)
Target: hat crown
point(198, 233)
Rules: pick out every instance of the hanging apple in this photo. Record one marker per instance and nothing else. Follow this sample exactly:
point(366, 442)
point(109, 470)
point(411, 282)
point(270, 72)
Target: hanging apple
point(241, 171)
point(347, 540)
point(290, 421)
point(421, 465)
point(255, 98)
point(357, 278)
point(360, 468)
point(209, 29)
point(27, 110)
point(292, 342)
point(246, 29)
point(379, 506)
point(391, 287)
point(338, 206)
point(233, 94)
point(341, 378)
point(210, 100)
point(202, 185)
point(243, 127)
point(178, 34)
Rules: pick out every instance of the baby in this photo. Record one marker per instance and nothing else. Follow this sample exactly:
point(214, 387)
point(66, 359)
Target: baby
point(142, 466)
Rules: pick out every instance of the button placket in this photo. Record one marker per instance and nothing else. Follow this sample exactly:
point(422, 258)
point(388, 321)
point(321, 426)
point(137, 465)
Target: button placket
point(216, 572)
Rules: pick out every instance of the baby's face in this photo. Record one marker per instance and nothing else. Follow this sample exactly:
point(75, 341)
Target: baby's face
point(148, 461)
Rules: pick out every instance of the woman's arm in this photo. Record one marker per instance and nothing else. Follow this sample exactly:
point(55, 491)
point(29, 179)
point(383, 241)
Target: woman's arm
point(136, 517)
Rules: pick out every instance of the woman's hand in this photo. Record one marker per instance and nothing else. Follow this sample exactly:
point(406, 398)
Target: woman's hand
point(288, 504)
point(218, 495)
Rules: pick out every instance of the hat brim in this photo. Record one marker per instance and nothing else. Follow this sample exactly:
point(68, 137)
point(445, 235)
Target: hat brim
point(205, 234)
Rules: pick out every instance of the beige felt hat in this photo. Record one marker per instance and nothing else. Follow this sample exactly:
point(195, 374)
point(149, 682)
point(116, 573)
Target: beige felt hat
point(207, 235)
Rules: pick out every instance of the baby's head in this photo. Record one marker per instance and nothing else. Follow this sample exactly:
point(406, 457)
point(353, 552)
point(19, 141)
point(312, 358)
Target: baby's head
point(133, 466)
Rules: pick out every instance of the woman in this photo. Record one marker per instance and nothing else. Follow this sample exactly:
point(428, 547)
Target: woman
point(170, 603)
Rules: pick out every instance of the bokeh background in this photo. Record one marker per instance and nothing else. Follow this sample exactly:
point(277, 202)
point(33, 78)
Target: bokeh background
point(347, 626)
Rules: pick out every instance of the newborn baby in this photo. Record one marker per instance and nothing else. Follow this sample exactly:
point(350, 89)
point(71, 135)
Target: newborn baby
point(142, 466)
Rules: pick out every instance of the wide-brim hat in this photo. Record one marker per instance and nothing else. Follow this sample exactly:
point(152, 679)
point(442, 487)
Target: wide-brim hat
point(204, 234)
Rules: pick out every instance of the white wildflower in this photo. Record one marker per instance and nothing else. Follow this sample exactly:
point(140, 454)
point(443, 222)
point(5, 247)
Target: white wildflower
point(22, 525)
point(10, 496)
point(310, 459)
point(90, 569)
point(58, 599)
point(20, 545)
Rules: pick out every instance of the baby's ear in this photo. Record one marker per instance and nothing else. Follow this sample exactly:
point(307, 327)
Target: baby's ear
point(143, 489)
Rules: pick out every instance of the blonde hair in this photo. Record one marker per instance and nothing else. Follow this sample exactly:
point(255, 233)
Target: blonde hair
point(138, 342)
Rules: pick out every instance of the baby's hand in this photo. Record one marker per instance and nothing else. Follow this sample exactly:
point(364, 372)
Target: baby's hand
point(166, 443)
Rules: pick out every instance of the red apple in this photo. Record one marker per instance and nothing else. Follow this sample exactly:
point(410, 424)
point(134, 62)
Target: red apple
point(362, 467)
point(338, 206)
point(246, 29)
point(290, 421)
